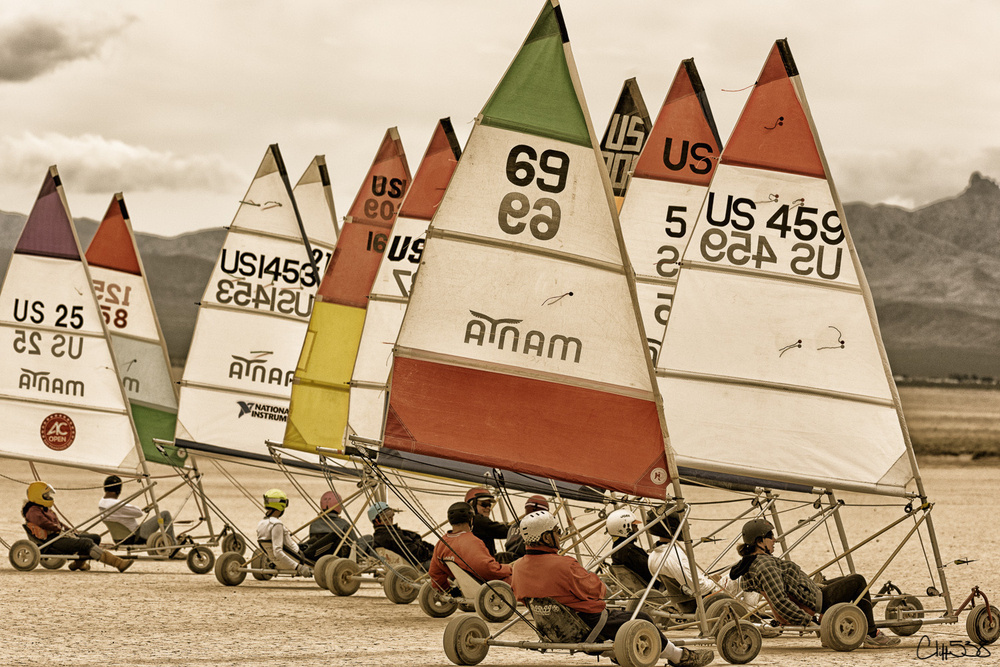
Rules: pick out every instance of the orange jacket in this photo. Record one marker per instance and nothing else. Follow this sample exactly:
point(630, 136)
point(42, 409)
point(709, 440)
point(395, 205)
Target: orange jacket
point(472, 556)
point(543, 573)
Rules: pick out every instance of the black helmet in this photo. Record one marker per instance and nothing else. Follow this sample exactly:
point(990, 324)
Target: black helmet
point(665, 528)
point(459, 513)
point(756, 529)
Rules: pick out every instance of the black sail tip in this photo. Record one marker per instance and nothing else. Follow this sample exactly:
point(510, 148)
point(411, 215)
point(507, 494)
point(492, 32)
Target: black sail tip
point(786, 57)
point(562, 24)
point(276, 152)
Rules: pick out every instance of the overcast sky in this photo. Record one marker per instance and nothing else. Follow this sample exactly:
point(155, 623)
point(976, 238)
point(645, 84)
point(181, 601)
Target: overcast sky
point(175, 102)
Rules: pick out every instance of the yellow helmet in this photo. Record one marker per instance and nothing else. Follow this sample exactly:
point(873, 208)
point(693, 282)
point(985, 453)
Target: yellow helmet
point(275, 499)
point(40, 493)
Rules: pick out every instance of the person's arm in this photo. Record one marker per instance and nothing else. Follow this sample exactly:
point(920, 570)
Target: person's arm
point(438, 571)
point(485, 526)
point(130, 511)
point(585, 585)
point(279, 544)
point(482, 563)
point(771, 584)
point(41, 519)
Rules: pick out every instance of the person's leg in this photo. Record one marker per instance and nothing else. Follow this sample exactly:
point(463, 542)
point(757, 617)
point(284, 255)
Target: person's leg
point(151, 525)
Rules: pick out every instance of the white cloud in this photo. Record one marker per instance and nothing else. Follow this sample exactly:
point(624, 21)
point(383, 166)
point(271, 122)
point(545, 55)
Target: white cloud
point(92, 163)
point(32, 46)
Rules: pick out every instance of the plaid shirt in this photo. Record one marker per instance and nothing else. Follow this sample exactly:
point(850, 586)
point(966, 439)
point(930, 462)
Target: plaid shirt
point(786, 587)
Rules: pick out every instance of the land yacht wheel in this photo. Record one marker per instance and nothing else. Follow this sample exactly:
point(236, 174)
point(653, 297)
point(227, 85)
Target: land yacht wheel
point(234, 542)
point(229, 569)
point(201, 560)
point(979, 626)
point(463, 640)
point(908, 603)
point(52, 563)
point(844, 627)
point(495, 602)
point(260, 561)
point(397, 584)
point(434, 603)
point(342, 577)
point(637, 644)
point(24, 555)
point(738, 643)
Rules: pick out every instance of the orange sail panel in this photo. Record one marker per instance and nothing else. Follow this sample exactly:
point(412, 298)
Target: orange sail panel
point(774, 131)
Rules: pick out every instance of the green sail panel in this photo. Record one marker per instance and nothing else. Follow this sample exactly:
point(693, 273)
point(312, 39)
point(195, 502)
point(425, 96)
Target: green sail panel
point(537, 94)
point(151, 423)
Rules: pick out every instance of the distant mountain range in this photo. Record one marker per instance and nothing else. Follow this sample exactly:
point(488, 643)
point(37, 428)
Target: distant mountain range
point(934, 273)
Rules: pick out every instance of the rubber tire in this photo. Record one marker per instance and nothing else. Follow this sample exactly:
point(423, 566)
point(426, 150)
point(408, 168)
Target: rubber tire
point(977, 624)
point(738, 644)
point(457, 634)
point(52, 563)
point(260, 561)
point(715, 609)
point(396, 586)
point(637, 644)
point(433, 604)
point(844, 627)
point(160, 539)
point(908, 602)
point(228, 569)
point(319, 570)
point(234, 542)
point(24, 555)
point(341, 577)
point(201, 560)
point(495, 602)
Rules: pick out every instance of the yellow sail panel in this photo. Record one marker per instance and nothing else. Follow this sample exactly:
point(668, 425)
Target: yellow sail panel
point(318, 413)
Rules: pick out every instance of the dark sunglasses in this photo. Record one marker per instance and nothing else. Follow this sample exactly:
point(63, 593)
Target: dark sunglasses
point(487, 503)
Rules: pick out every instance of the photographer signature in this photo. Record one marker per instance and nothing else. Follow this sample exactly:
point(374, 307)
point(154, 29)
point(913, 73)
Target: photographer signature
point(927, 649)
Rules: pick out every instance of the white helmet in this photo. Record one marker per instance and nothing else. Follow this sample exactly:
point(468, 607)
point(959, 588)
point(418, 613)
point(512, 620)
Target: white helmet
point(620, 523)
point(536, 524)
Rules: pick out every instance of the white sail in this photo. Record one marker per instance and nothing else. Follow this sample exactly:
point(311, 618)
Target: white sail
point(252, 319)
point(60, 392)
point(772, 365)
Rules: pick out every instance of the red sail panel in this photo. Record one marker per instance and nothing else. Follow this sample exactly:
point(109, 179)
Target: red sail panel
point(684, 144)
point(48, 231)
point(476, 416)
point(433, 174)
point(352, 269)
point(112, 246)
point(773, 131)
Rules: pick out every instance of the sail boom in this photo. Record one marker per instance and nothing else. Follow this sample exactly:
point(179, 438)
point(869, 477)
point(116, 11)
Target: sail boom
point(389, 298)
point(809, 481)
point(569, 258)
point(775, 386)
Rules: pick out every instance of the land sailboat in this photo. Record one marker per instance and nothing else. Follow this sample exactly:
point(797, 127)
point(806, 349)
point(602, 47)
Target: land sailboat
point(772, 368)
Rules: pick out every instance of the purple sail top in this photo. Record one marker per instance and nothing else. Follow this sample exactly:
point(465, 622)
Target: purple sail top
point(48, 231)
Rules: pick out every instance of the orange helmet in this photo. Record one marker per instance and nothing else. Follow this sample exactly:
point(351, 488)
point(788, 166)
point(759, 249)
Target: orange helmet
point(475, 493)
point(331, 501)
point(536, 503)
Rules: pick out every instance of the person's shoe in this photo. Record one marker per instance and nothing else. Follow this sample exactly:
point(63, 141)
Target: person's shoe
point(693, 657)
point(881, 640)
point(81, 564)
point(768, 631)
point(114, 561)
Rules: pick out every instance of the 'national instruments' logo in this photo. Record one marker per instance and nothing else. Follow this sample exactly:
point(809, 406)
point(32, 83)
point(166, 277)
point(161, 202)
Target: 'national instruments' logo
point(263, 411)
point(58, 431)
point(505, 335)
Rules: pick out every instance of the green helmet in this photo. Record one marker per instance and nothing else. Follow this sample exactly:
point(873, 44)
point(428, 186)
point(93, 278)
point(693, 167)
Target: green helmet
point(275, 499)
